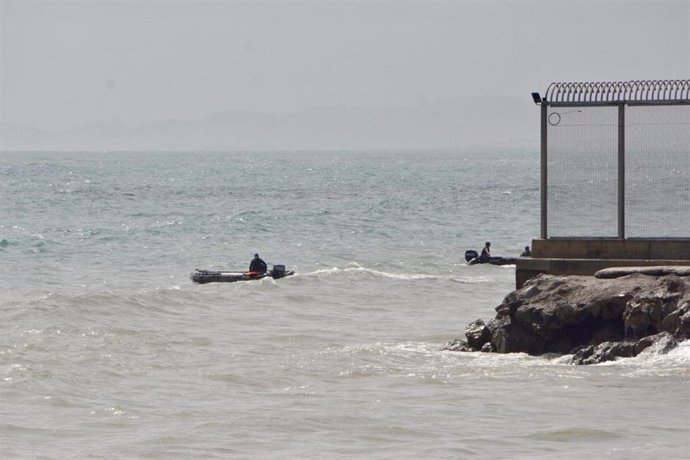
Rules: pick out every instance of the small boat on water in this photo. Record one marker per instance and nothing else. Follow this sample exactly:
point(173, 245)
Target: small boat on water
point(213, 276)
point(472, 257)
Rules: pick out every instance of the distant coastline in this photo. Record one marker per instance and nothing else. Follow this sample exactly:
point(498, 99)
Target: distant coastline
point(452, 123)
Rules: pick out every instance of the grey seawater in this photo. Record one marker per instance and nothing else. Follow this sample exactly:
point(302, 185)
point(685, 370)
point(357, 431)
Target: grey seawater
point(108, 350)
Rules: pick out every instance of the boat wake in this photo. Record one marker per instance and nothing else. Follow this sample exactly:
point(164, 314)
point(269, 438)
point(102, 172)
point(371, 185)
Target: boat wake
point(359, 270)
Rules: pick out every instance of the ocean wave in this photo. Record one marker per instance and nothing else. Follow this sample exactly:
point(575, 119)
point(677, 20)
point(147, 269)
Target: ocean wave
point(649, 362)
point(399, 348)
point(574, 434)
point(102, 301)
point(418, 360)
point(675, 362)
point(399, 276)
point(426, 362)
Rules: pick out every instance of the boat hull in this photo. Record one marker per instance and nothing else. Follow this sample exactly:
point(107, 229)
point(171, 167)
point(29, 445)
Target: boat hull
point(213, 276)
point(493, 261)
point(473, 258)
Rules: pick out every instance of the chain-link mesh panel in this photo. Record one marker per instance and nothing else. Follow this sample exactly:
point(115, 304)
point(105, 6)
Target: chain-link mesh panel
point(582, 189)
point(657, 171)
point(582, 178)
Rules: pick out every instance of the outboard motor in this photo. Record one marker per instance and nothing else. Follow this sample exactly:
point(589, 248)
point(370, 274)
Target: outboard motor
point(471, 254)
point(278, 271)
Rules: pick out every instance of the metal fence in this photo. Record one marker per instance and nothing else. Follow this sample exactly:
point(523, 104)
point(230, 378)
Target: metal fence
point(615, 160)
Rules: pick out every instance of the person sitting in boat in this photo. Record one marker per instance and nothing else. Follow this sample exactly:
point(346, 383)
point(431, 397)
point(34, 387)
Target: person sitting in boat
point(486, 252)
point(257, 265)
point(526, 252)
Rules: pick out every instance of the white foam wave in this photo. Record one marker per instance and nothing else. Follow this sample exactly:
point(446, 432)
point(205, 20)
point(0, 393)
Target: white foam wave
point(391, 348)
point(399, 276)
point(470, 280)
point(676, 360)
point(649, 362)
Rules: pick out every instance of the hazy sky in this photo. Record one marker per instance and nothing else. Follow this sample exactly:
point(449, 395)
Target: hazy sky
point(64, 63)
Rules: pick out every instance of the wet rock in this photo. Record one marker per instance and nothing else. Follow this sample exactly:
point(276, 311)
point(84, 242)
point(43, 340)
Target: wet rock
point(607, 351)
point(659, 344)
point(600, 318)
point(509, 335)
point(477, 334)
point(457, 345)
point(488, 347)
point(677, 323)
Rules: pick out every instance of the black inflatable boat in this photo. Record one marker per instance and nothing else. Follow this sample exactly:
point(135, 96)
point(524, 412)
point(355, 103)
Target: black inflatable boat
point(472, 257)
point(211, 276)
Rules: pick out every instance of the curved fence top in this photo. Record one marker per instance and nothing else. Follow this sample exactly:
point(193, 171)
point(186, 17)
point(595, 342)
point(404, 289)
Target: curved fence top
point(626, 91)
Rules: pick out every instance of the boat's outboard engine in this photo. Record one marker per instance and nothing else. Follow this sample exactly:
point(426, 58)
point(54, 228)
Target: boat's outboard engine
point(471, 254)
point(278, 271)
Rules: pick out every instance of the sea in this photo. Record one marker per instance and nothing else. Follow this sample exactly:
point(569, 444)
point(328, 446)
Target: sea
point(109, 350)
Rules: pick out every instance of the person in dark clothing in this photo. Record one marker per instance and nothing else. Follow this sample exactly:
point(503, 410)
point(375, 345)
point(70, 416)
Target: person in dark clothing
point(486, 252)
point(526, 252)
point(257, 265)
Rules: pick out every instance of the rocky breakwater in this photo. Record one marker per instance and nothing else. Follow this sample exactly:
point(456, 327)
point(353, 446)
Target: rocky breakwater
point(591, 319)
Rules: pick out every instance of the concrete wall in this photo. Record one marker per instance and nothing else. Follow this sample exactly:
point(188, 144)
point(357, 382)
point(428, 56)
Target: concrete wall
point(587, 256)
point(612, 249)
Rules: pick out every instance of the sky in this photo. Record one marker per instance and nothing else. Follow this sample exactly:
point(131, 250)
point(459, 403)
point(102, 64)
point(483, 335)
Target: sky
point(69, 63)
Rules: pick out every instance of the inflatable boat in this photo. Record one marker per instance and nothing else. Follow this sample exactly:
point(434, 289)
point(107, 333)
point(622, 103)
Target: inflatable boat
point(211, 276)
point(472, 257)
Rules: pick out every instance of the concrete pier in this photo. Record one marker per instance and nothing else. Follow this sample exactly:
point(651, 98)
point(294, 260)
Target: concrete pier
point(585, 256)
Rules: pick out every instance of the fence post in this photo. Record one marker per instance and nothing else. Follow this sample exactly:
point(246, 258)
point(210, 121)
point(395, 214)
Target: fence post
point(544, 110)
point(621, 171)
